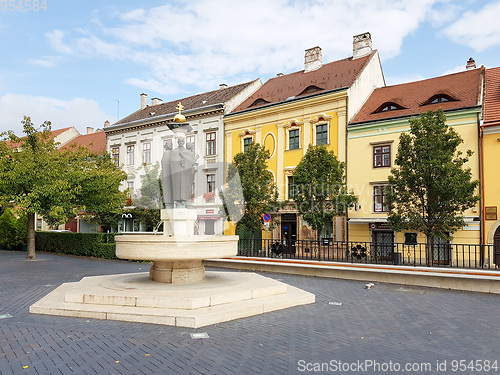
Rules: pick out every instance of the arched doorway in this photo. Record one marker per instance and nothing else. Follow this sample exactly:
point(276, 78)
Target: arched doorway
point(496, 247)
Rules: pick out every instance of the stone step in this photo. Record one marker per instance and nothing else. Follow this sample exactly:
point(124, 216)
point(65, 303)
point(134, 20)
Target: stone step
point(55, 304)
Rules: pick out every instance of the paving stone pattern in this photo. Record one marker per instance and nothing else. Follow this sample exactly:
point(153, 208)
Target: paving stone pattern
point(386, 323)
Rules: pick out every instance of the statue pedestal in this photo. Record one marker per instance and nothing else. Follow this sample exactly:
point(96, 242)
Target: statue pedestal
point(175, 272)
point(178, 222)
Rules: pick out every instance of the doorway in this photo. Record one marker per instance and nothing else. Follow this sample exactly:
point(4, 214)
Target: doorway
point(496, 247)
point(289, 232)
point(383, 241)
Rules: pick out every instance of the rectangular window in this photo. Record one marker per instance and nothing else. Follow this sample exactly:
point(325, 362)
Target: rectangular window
point(246, 143)
point(190, 139)
point(410, 238)
point(293, 139)
point(146, 153)
point(130, 185)
point(210, 143)
point(115, 155)
point(381, 156)
point(130, 155)
point(210, 183)
point(292, 189)
point(322, 134)
point(380, 198)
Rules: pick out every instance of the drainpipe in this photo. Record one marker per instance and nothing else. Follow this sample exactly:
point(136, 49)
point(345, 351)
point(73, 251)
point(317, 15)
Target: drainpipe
point(482, 227)
point(346, 159)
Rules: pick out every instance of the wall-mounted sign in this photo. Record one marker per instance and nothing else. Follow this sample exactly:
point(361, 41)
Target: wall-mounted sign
point(208, 217)
point(379, 226)
point(490, 213)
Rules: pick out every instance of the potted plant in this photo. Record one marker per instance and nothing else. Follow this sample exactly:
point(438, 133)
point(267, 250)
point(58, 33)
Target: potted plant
point(209, 197)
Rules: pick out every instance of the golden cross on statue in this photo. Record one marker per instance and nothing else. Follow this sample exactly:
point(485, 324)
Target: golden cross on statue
point(180, 107)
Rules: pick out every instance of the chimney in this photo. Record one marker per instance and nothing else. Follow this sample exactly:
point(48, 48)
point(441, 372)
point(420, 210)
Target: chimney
point(90, 130)
point(279, 75)
point(313, 59)
point(471, 64)
point(222, 86)
point(144, 99)
point(361, 45)
point(106, 123)
point(156, 101)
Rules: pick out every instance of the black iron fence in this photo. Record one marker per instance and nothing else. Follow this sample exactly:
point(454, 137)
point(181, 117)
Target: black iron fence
point(436, 255)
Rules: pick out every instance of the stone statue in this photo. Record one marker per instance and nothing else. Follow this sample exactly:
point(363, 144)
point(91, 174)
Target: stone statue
point(178, 169)
point(166, 183)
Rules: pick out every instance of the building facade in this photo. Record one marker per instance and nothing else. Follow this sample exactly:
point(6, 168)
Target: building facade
point(490, 154)
point(137, 143)
point(310, 107)
point(373, 140)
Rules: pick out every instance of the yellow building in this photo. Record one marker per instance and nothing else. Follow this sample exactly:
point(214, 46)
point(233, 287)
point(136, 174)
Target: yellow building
point(490, 144)
point(373, 138)
point(290, 112)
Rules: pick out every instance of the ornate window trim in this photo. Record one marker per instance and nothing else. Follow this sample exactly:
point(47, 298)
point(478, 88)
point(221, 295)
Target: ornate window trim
point(293, 125)
point(320, 119)
point(246, 134)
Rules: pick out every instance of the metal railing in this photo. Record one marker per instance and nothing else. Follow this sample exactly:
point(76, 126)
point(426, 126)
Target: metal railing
point(435, 255)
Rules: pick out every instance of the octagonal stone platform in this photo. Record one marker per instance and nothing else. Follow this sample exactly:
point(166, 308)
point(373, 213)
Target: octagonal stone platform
point(220, 297)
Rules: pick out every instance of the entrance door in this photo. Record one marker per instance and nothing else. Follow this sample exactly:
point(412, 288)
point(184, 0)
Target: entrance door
point(496, 247)
point(289, 232)
point(384, 245)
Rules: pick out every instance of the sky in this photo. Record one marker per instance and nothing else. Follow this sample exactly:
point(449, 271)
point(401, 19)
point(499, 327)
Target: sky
point(80, 63)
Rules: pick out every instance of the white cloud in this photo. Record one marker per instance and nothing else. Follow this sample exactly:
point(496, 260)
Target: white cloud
point(78, 112)
point(395, 80)
point(457, 69)
point(56, 41)
point(478, 30)
point(206, 42)
point(42, 63)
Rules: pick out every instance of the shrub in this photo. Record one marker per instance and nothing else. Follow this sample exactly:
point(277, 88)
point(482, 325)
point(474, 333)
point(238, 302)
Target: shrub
point(99, 245)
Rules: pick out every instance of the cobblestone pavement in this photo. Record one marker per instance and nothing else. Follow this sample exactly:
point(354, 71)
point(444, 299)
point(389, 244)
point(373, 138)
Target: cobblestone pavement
point(391, 325)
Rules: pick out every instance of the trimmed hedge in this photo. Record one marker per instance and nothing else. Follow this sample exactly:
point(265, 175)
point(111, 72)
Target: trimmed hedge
point(98, 245)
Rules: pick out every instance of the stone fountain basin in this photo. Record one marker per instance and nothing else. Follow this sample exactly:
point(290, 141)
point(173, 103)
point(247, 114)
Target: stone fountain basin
point(161, 247)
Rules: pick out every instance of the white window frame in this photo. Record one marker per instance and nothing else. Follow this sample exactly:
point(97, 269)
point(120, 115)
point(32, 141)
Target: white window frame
point(208, 142)
point(130, 154)
point(146, 153)
point(318, 120)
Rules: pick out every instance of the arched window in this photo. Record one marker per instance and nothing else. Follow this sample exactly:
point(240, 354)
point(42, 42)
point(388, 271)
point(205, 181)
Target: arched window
point(258, 102)
point(439, 98)
point(310, 90)
point(388, 106)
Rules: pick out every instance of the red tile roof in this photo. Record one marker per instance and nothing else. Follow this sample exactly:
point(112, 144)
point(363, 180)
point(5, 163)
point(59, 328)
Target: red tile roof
point(492, 97)
point(465, 87)
point(95, 142)
point(335, 75)
point(191, 102)
point(53, 134)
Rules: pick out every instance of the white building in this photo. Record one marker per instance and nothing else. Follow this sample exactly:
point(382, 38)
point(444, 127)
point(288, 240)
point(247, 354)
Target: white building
point(137, 142)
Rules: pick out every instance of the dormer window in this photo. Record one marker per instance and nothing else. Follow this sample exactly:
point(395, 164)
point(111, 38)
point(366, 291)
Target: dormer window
point(310, 90)
point(259, 101)
point(388, 106)
point(439, 98)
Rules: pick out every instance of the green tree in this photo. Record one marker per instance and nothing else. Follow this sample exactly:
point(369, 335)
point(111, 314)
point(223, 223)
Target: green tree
point(8, 229)
point(255, 183)
point(57, 184)
point(320, 187)
point(150, 192)
point(430, 188)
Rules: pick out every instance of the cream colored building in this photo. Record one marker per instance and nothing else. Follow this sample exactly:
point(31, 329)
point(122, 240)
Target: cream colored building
point(137, 141)
point(373, 139)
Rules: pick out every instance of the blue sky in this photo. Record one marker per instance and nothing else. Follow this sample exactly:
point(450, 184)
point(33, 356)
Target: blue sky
point(75, 62)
